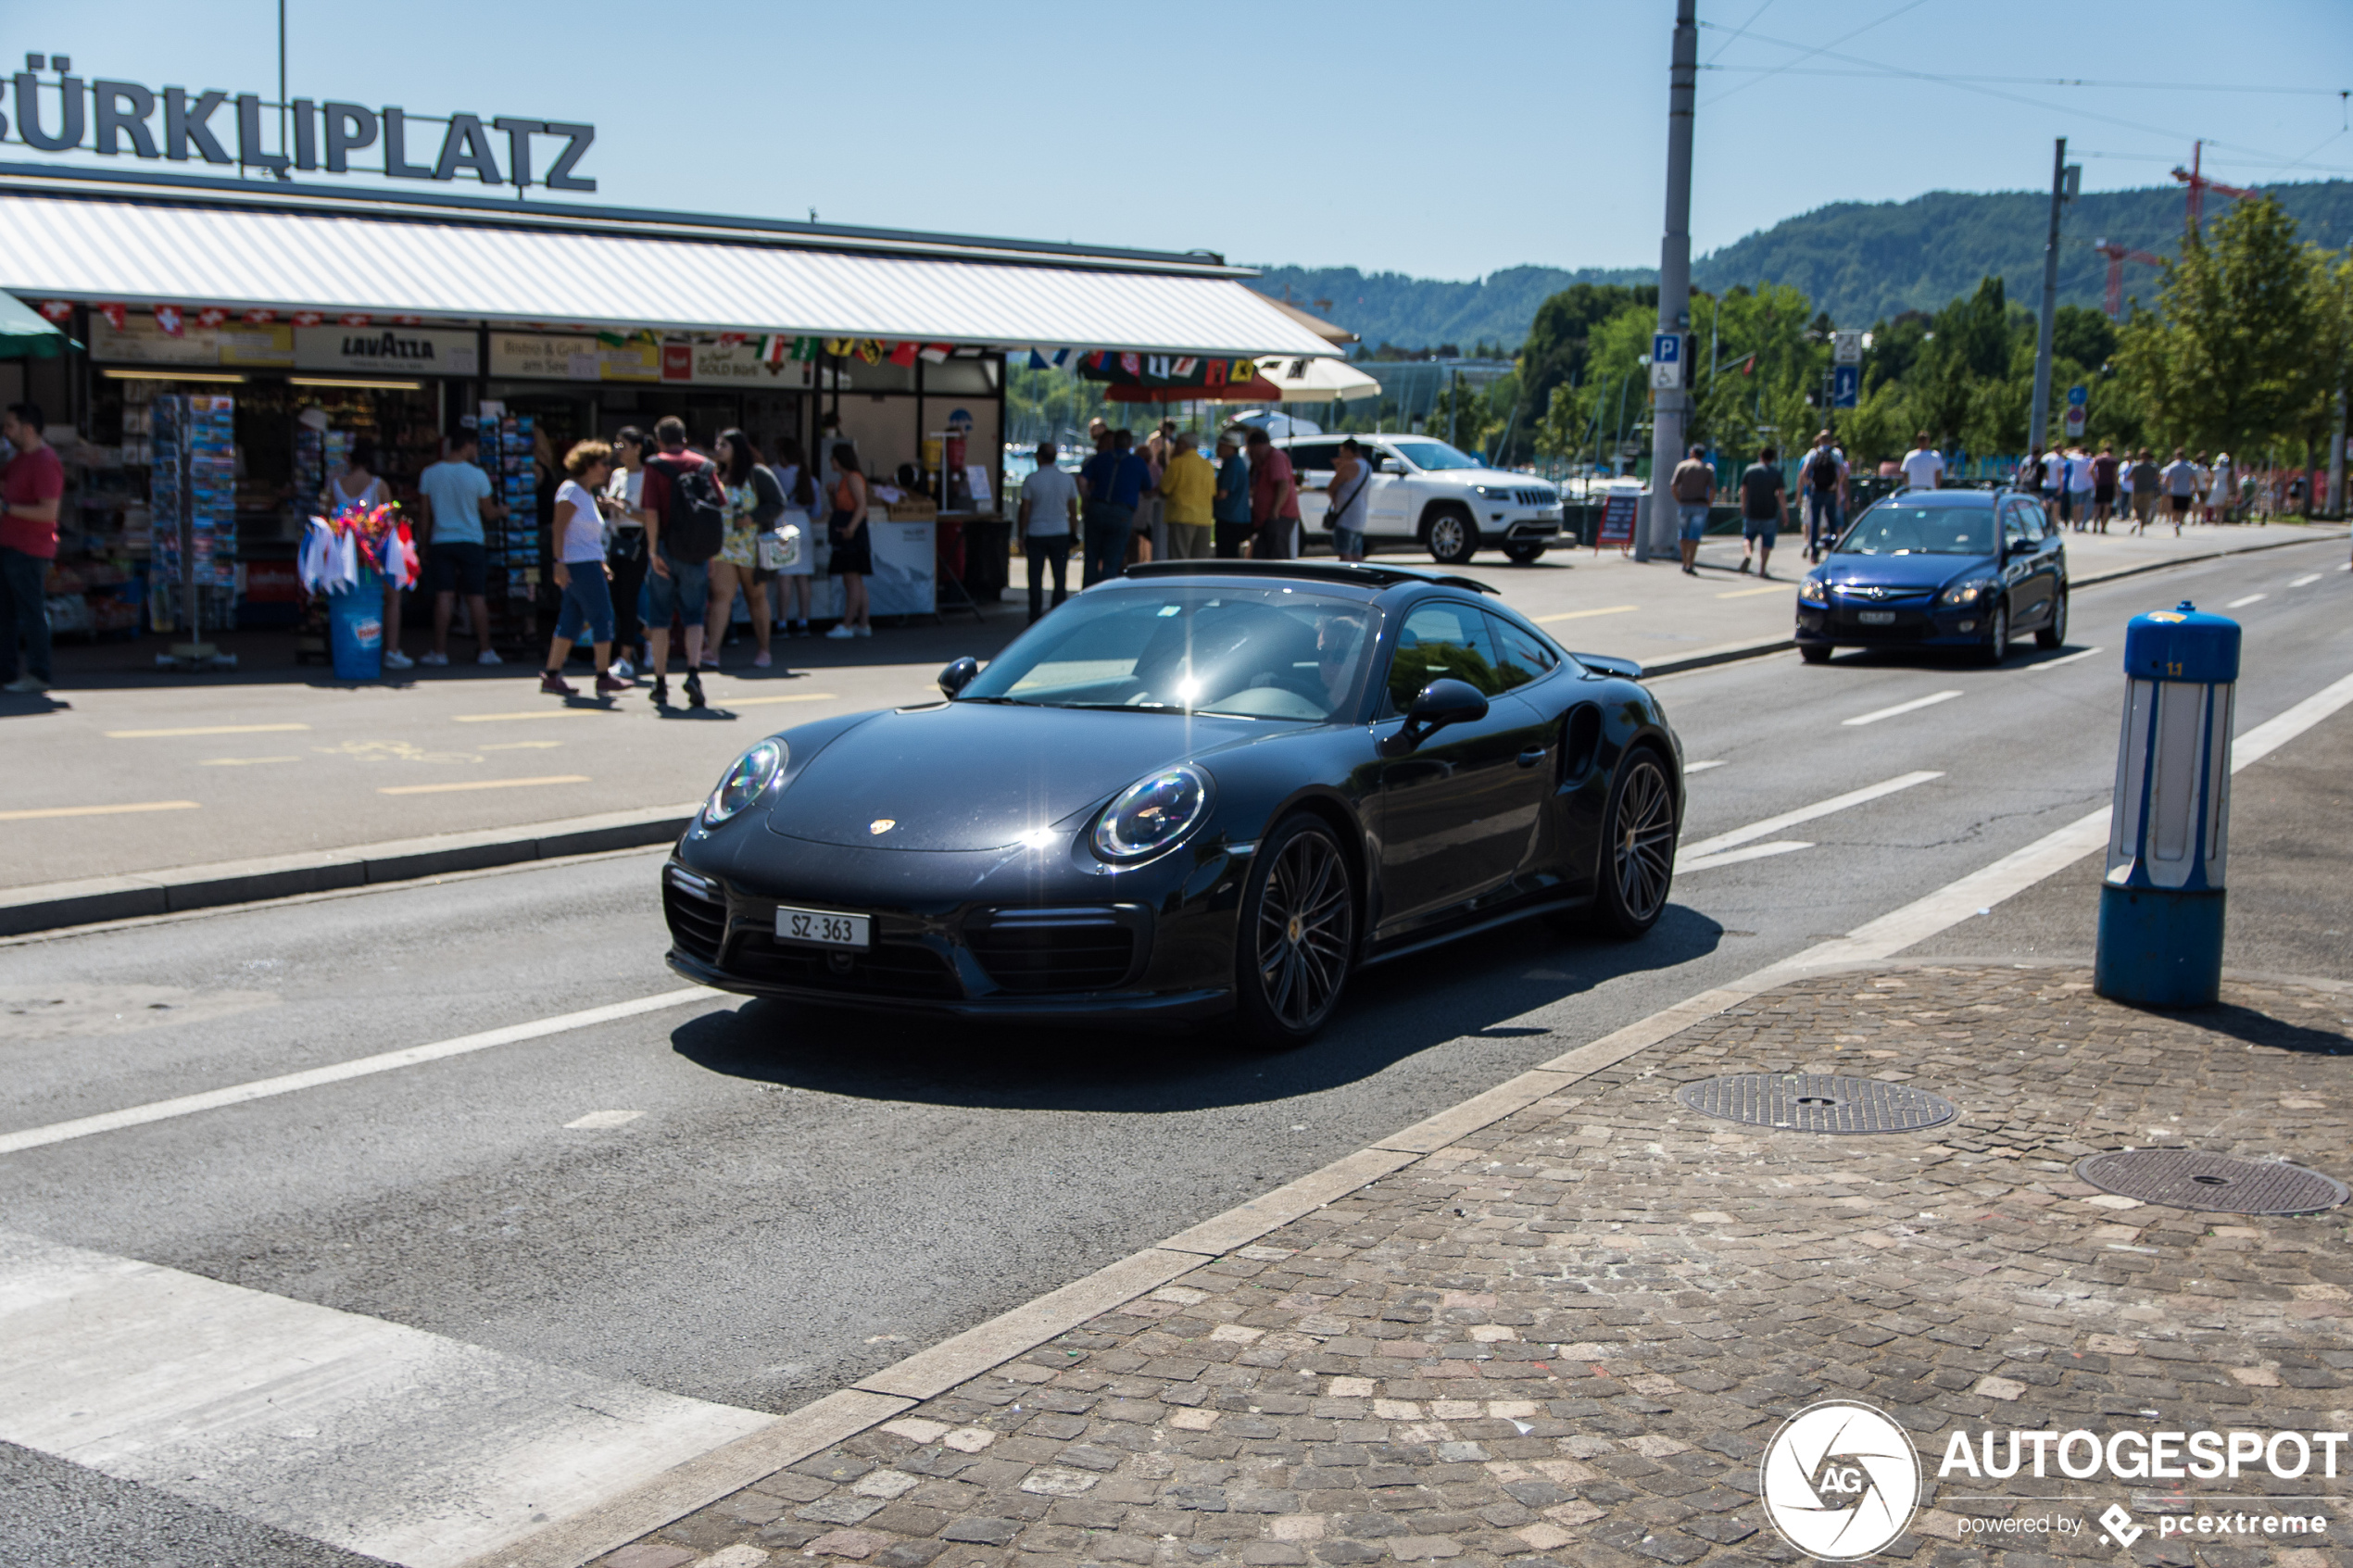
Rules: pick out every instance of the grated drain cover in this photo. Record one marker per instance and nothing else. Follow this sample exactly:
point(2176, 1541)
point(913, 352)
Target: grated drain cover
point(2221, 1184)
point(1810, 1102)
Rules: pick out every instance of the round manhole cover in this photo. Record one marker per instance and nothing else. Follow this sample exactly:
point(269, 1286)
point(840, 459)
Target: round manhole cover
point(1811, 1102)
point(2223, 1184)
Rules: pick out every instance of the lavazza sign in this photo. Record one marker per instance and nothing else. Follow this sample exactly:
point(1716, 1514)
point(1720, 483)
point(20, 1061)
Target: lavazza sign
point(68, 113)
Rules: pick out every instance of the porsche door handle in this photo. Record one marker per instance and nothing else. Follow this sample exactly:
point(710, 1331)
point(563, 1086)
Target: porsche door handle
point(1534, 755)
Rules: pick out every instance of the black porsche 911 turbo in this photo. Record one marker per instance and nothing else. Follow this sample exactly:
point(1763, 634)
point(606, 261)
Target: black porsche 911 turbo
point(1204, 788)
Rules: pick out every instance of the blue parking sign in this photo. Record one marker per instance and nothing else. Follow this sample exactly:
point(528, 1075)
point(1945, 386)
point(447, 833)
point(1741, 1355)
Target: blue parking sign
point(1667, 348)
point(2077, 396)
point(1846, 385)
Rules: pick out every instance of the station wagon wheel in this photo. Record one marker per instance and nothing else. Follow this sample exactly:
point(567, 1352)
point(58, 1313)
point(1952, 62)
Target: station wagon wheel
point(2053, 635)
point(1997, 634)
point(1638, 843)
point(1297, 936)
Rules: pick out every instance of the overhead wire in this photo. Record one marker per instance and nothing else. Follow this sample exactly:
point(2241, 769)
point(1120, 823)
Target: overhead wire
point(1824, 49)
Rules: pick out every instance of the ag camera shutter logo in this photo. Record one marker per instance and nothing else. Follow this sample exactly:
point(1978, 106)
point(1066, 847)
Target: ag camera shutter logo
point(1839, 1481)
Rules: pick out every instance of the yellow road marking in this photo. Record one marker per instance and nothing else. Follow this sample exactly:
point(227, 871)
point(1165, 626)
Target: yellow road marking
point(1752, 592)
point(532, 713)
point(98, 811)
point(760, 701)
point(204, 730)
point(1582, 614)
point(480, 783)
point(242, 762)
point(520, 745)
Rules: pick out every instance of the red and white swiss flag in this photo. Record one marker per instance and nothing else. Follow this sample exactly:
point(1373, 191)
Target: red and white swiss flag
point(114, 314)
point(260, 318)
point(169, 321)
point(57, 310)
point(353, 319)
point(306, 317)
point(211, 316)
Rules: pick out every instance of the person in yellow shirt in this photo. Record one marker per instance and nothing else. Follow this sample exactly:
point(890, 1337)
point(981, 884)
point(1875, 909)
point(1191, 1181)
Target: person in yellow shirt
point(1188, 484)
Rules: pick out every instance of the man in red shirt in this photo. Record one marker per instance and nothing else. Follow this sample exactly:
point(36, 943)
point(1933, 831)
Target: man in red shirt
point(1274, 499)
point(30, 486)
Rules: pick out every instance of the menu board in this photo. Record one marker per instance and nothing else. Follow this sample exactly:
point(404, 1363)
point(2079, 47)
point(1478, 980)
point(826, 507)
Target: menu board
point(682, 361)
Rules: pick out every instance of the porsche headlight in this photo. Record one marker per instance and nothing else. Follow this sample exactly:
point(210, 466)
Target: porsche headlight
point(1813, 591)
point(743, 782)
point(1967, 593)
point(1151, 814)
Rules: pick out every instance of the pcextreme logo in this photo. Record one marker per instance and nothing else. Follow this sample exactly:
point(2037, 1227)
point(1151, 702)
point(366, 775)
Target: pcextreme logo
point(1839, 1481)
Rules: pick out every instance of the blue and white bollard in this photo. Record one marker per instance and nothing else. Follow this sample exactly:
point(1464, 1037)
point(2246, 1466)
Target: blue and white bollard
point(2160, 939)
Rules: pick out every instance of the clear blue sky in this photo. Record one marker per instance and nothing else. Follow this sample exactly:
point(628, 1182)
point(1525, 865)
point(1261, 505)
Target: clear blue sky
point(1441, 139)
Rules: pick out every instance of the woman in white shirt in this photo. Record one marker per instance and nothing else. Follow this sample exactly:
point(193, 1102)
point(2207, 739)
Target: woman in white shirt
point(796, 577)
point(581, 571)
point(625, 547)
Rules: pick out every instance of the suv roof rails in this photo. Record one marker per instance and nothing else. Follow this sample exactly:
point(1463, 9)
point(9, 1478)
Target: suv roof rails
point(1364, 574)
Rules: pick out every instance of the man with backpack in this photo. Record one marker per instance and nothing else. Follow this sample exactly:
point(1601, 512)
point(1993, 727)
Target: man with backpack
point(1825, 496)
point(685, 525)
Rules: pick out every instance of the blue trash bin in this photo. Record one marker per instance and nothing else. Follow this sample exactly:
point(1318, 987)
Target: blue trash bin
point(355, 629)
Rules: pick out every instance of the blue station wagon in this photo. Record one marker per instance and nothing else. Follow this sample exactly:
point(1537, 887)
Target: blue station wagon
point(1939, 568)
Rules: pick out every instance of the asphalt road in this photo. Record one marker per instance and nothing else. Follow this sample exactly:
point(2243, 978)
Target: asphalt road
point(808, 1196)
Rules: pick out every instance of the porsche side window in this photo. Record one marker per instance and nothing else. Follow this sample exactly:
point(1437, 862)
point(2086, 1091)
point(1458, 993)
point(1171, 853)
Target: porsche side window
point(1440, 640)
point(1519, 657)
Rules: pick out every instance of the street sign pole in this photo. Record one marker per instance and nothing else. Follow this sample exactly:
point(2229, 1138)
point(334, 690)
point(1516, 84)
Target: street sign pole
point(2038, 427)
point(1674, 284)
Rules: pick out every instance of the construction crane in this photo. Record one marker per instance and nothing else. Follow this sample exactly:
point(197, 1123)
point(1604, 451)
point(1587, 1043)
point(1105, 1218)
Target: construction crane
point(2199, 184)
point(2117, 257)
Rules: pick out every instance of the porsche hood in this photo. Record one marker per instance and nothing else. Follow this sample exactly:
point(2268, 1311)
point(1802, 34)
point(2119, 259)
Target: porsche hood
point(970, 775)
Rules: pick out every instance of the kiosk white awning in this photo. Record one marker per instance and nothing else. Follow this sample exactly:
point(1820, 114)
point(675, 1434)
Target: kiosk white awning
point(195, 256)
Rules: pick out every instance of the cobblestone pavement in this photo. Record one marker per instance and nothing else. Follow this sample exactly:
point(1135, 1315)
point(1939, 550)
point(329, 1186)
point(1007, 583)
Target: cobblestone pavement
point(1567, 1338)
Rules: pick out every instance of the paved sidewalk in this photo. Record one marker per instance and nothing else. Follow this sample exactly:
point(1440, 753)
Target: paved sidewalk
point(1567, 1338)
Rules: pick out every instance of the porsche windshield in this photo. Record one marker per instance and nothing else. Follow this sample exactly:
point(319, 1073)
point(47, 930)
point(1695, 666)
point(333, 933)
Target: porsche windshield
point(1245, 651)
point(1894, 529)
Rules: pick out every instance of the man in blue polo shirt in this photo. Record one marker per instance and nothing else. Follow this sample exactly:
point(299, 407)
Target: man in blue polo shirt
point(1115, 480)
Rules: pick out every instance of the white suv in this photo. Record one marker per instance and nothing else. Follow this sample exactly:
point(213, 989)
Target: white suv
point(1425, 491)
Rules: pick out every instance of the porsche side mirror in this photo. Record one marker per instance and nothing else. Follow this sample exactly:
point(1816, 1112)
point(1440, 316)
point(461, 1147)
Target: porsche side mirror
point(1444, 701)
point(958, 675)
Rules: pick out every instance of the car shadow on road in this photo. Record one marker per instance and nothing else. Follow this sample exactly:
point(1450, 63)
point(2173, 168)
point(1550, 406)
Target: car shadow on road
point(1394, 1012)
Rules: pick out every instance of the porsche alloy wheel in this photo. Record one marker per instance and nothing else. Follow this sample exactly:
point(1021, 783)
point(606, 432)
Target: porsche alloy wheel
point(1298, 935)
point(1639, 832)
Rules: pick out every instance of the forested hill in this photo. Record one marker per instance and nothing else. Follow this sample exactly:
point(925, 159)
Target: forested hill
point(1859, 261)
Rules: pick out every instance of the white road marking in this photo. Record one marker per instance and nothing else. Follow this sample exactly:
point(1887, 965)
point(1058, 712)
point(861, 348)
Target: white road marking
point(242, 762)
point(372, 1436)
point(34, 813)
point(1691, 767)
point(2242, 603)
point(534, 713)
point(519, 745)
point(480, 784)
point(1583, 614)
point(1685, 864)
point(1912, 707)
point(763, 701)
point(1708, 848)
point(2308, 578)
point(204, 730)
point(359, 1067)
point(2065, 658)
point(1752, 592)
point(596, 1119)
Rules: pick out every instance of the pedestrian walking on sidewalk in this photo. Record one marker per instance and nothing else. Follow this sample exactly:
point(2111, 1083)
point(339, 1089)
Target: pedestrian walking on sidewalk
point(354, 490)
point(1825, 479)
point(2080, 488)
point(458, 500)
point(800, 570)
point(2181, 486)
point(30, 487)
point(623, 501)
point(1230, 507)
point(1763, 511)
point(2221, 493)
point(1048, 514)
point(854, 542)
point(1923, 465)
point(1152, 511)
point(685, 523)
point(1274, 499)
point(2104, 473)
point(1351, 477)
point(2146, 482)
point(753, 505)
point(1694, 485)
point(1188, 488)
point(1112, 481)
point(581, 572)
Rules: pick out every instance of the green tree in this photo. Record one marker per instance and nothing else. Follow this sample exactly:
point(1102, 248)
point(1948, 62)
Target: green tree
point(2244, 346)
point(1558, 347)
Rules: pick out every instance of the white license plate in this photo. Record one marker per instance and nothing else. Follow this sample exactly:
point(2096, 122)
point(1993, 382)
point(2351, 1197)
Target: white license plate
point(824, 928)
point(1876, 617)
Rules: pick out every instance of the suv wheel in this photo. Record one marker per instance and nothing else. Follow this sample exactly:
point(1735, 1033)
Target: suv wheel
point(1523, 554)
point(1452, 536)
